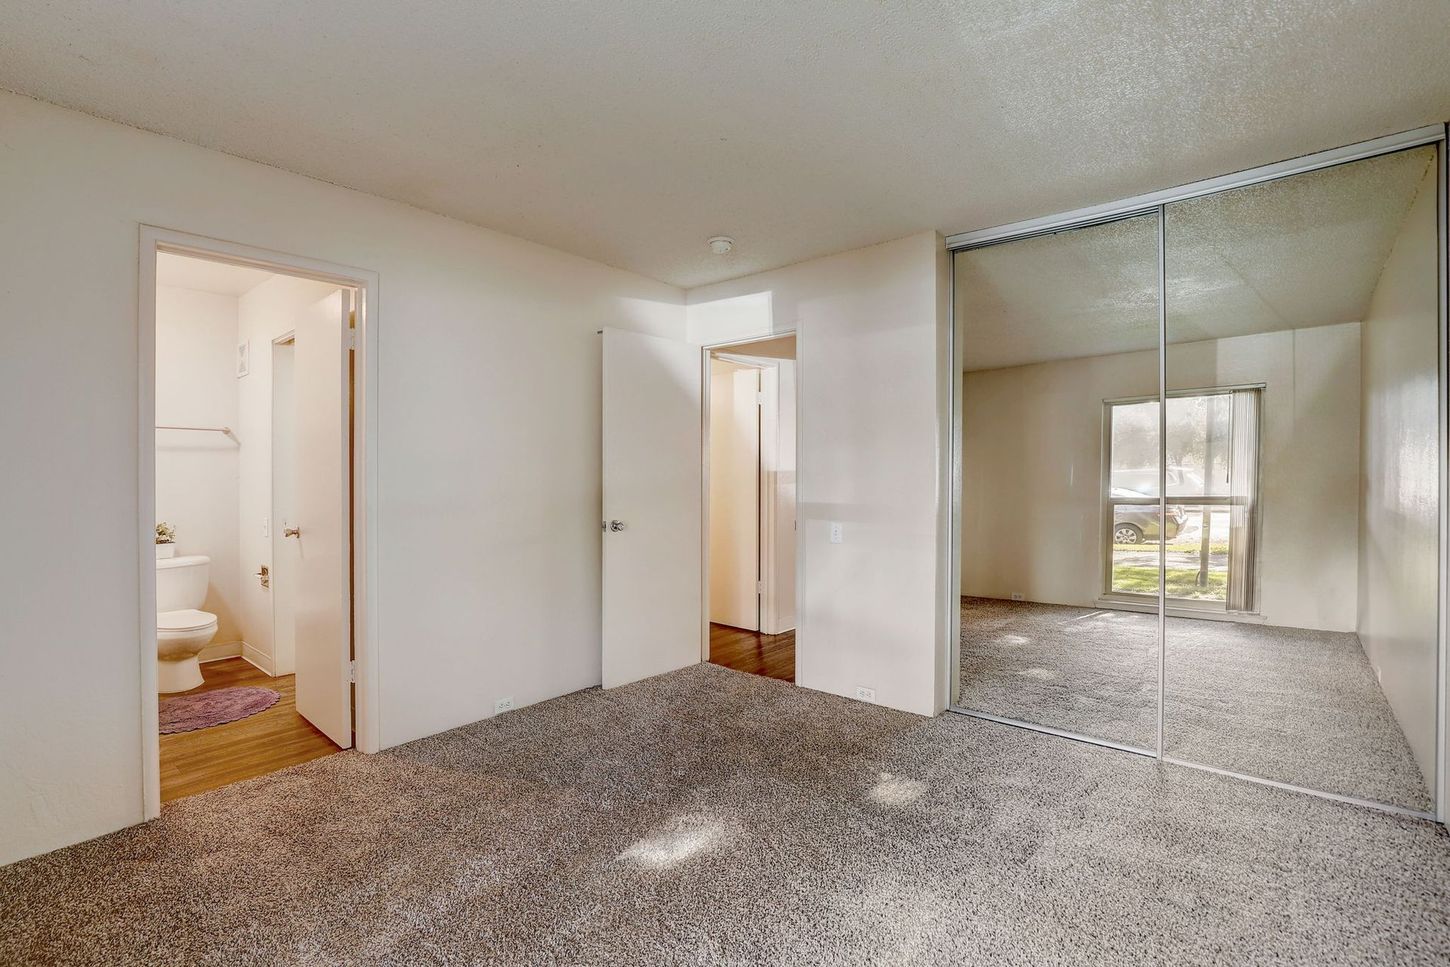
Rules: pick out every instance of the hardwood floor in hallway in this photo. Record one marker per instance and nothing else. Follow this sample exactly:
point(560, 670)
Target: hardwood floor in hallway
point(193, 762)
point(750, 651)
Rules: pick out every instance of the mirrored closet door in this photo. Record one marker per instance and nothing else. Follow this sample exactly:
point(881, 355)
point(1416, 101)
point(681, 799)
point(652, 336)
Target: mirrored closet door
point(1201, 470)
point(1061, 525)
point(1303, 459)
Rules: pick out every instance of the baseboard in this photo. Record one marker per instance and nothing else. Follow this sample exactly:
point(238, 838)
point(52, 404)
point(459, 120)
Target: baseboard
point(220, 650)
point(260, 659)
point(1242, 617)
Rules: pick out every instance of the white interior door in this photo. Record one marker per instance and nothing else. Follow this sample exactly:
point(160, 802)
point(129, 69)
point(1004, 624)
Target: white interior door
point(285, 550)
point(652, 514)
point(734, 509)
point(323, 603)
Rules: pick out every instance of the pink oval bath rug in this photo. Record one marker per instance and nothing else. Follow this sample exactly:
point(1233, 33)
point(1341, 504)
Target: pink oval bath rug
point(187, 713)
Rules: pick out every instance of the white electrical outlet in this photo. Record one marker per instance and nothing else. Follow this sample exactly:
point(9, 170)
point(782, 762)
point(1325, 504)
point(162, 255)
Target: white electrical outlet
point(865, 694)
point(838, 533)
point(503, 705)
point(1017, 597)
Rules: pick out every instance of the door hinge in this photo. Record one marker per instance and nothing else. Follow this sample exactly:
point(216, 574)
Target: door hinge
point(759, 399)
point(352, 339)
point(352, 671)
point(759, 587)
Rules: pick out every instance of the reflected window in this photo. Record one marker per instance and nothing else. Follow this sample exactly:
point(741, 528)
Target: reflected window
point(1206, 532)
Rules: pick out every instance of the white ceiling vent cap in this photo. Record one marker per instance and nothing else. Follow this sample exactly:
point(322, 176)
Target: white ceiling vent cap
point(722, 244)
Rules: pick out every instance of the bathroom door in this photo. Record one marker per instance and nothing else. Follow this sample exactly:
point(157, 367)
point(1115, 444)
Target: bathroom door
point(651, 533)
point(323, 494)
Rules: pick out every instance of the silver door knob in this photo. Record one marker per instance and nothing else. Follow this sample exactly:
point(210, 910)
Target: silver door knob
point(616, 525)
point(291, 532)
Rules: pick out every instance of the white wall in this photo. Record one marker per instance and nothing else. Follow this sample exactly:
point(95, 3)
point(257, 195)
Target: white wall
point(1400, 491)
point(869, 325)
point(488, 453)
point(734, 521)
point(264, 312)
point(196, 473)
point(1032, 459)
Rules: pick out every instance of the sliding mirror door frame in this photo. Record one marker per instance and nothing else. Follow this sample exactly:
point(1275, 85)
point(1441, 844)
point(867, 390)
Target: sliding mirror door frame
point(1155, 203)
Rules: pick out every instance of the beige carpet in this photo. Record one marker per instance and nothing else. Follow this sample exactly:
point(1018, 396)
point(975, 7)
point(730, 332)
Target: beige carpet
point(714, 817)
point(1296, 706)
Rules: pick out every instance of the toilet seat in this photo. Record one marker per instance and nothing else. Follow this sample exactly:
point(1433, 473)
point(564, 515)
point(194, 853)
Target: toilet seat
point(187, 619)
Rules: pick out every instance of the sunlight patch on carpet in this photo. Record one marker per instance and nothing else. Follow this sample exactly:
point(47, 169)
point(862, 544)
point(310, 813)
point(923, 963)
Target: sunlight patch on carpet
point(683, 838)
point(896, 791)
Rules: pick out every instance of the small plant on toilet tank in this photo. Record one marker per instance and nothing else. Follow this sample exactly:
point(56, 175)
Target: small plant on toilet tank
point(165, 540)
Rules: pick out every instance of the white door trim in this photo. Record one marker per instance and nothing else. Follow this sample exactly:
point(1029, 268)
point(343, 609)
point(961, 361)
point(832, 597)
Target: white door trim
point(768, 519)
point(154, 239)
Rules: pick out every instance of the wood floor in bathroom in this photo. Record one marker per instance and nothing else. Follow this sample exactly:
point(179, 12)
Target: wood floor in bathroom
point(193, 762)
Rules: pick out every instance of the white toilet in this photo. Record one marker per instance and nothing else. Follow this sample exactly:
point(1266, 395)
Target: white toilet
point(182, 631)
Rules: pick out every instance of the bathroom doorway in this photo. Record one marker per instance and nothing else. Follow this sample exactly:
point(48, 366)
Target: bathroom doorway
point(255, 373)
point(750, 480)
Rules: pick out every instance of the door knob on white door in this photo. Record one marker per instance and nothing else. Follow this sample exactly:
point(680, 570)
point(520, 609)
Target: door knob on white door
point(616, 525)
point(291, 532)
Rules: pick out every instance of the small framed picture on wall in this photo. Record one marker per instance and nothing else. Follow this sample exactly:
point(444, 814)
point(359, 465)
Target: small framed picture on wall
point(244, 357)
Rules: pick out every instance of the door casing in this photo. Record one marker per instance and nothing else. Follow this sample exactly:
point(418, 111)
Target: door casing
point(153, 240)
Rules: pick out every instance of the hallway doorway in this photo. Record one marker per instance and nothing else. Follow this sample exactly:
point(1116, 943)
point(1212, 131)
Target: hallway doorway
point(750, 451)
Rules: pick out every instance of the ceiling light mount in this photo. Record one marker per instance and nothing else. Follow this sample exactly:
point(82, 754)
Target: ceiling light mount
point(722, 244)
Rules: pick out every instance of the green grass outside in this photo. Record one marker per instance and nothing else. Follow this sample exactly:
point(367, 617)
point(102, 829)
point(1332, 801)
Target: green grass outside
point(1182, 582)
point(1192, 547)
point(1184, 547)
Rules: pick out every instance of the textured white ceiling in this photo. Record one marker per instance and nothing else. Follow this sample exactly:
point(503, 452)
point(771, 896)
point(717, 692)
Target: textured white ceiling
point(1301, 252)
point(207, 276)
point(631, 131)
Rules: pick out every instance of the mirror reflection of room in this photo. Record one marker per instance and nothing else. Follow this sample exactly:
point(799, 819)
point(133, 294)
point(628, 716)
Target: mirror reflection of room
point(1283, 485)
point(752, 507)
point(1059, 337)
point(1302, 348)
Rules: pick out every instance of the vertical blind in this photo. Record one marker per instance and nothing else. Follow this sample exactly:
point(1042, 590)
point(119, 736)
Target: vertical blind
point(1243, 474)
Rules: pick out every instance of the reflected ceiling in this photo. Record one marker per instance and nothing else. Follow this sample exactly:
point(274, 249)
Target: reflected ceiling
point(1088, 292)
point(1292, 254)
point(1296, 253)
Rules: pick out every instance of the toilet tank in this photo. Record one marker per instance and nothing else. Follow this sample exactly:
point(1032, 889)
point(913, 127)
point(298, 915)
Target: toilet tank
point(181, 582)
